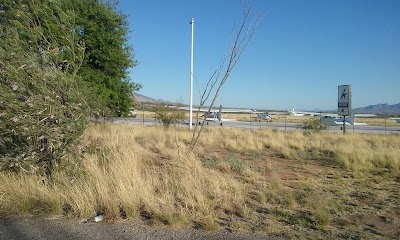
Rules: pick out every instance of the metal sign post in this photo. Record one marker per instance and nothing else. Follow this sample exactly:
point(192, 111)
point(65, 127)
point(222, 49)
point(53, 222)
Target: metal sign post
point(344, 124)
point(344, 103)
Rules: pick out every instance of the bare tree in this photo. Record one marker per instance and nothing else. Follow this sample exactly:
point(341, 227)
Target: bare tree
point(241, 36)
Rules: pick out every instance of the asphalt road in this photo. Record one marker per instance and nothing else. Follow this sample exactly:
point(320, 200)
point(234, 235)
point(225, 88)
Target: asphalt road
point(60, 228)
point(274, 125)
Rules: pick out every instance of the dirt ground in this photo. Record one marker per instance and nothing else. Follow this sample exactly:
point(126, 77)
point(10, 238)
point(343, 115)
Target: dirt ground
point(368, 207)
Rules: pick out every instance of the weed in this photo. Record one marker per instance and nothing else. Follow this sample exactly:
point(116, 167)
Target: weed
point(207, 223)
point(210, 162)
point(254, 155)
point(304, 219)
point(175, 219)
point(362, 195)
point(236, 165)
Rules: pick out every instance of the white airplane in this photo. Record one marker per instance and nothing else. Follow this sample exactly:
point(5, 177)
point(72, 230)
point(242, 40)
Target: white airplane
point(336, 120)
point(224, 110)
point(332, 119)
point(216, 116)
point(297, 113)
point(264, 116)
point(397, 119)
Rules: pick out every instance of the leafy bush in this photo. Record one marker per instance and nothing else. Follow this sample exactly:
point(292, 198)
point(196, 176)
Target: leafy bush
point(42, 106)
point(168, 116)
point(313, 124)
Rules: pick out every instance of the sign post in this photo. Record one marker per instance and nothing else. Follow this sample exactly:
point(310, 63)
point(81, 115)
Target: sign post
point(344, 103)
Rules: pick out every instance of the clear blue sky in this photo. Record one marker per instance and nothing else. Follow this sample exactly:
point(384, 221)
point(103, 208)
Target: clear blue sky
point(300, 53)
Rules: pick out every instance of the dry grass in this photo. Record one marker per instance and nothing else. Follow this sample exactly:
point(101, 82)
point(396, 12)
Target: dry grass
point(260, 180)
point(359, 152)
point(372, 121)
point(379, 121)
point(25, 194)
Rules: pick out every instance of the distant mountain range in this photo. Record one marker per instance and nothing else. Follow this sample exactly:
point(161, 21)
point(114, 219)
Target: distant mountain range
point(143, 99)
point(380, 109)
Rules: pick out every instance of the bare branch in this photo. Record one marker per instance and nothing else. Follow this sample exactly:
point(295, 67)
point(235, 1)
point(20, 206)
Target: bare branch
point(239, 42)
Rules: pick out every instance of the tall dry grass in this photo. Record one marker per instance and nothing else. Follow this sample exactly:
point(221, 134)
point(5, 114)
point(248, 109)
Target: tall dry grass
point(27, 194)
point(130, 170)
point(359, 152)
point(149, 172)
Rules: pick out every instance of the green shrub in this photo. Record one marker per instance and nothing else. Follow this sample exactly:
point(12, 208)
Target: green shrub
point(168, 116)
point(313, 124)
point(42, 106)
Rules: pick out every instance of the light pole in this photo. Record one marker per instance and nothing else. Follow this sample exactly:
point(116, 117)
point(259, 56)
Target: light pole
point(385, 123)
point(191, 79)
point(143, 112)
point(320, 123)
point(285, 121)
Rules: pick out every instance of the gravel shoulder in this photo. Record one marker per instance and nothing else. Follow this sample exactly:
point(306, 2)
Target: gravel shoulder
point(62, 228)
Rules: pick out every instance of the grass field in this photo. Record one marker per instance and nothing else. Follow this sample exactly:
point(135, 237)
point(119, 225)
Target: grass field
point(295, 184)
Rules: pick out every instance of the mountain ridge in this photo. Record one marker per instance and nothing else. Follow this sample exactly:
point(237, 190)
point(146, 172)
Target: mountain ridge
point(144, 99)
point(380, 109)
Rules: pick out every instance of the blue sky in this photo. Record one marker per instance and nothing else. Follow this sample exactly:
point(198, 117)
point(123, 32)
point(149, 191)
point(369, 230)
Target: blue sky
point(300, 53)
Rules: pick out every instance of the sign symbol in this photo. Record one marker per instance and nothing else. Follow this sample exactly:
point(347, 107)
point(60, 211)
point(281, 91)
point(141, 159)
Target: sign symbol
point(344, 100)
point(344, 93)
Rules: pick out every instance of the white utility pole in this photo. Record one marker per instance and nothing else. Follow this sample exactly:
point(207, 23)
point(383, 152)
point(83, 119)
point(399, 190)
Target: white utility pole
point(191, 78)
